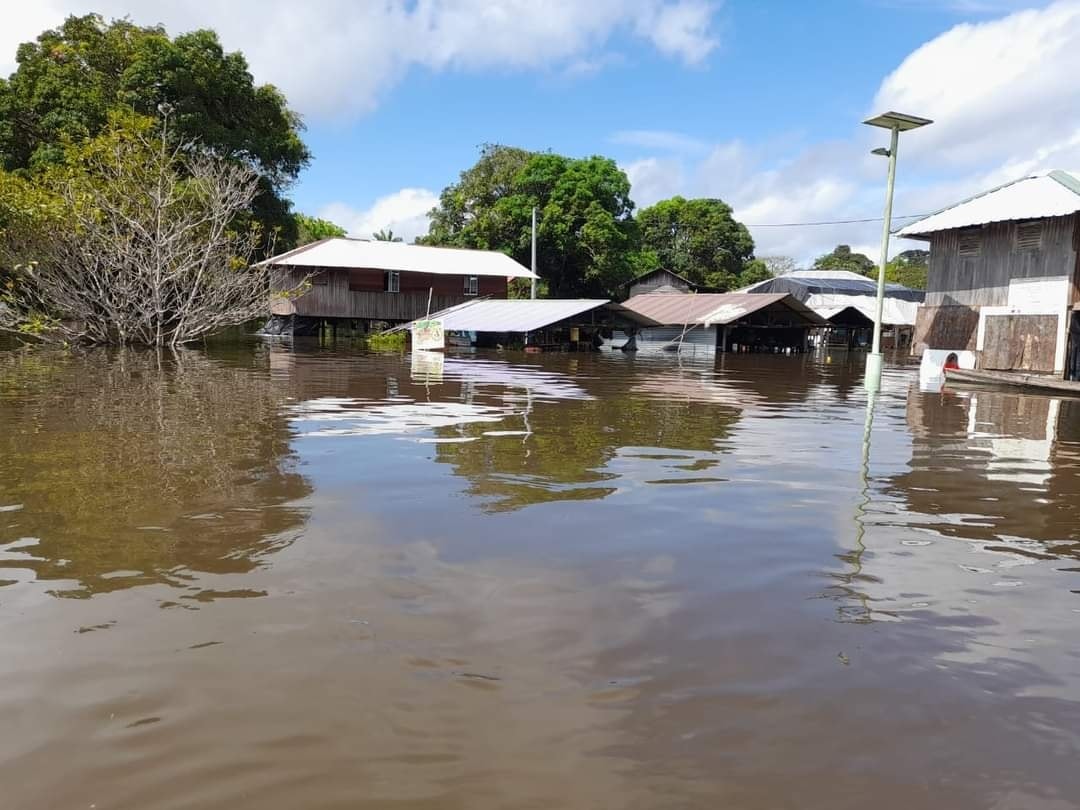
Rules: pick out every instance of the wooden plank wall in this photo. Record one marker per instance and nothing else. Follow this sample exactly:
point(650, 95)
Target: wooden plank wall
point(955, 280)
point(359, 293)
point(945, 328)
point(656, 280)
point(1020, 343)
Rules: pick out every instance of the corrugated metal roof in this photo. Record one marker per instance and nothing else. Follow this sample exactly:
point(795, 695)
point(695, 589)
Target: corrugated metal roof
point(894, 312)
point(709, 308)
point(513, 315)
point(1056, 194)
point(376, 255)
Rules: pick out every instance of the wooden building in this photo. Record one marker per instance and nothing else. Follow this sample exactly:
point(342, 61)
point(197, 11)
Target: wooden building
point(361, 281)
point(661, 281)
point(1002, 292)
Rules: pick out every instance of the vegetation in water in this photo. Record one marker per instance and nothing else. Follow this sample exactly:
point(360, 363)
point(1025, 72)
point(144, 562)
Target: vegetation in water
point(386, 341)
point(134, 237)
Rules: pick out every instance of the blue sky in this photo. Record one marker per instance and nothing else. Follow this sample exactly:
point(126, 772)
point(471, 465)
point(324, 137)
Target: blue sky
point(755, 102)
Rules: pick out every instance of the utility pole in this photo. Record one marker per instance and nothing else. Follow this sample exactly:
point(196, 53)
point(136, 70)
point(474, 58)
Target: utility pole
point(896, 123)
point(534, 266)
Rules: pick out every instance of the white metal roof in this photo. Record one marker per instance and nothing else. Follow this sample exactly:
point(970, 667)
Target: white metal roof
point(1055, 194)
point(514, 314)
point(376, 255)
point(894, 312)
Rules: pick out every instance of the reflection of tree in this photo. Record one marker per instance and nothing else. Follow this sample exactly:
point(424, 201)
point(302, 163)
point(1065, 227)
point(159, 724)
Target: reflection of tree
point(142, 464)
point(571, 442)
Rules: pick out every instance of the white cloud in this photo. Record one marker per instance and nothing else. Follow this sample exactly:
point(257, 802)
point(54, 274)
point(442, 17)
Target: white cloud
point(996, 90)
point(654, 179)
point(336, 58)
point(1001, 93)
point(404, 212)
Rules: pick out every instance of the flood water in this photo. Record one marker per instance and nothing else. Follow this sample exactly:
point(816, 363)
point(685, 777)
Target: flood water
point(272, 576)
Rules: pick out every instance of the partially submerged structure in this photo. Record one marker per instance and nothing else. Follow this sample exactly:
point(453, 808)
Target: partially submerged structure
point(716, 322)
point(848, 301)
point(359, 281)
point(539, 324)
point(1004, 279)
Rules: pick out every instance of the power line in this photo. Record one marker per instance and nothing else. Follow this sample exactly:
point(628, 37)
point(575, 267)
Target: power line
point(829, 222)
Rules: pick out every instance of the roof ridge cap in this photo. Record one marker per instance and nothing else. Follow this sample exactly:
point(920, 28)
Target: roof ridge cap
point(1065, 179)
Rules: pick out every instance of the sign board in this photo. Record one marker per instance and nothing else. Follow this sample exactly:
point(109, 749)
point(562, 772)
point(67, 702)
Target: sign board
point(427, 335)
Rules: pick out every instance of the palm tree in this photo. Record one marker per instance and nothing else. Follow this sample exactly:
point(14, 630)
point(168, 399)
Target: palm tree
point(385, 235)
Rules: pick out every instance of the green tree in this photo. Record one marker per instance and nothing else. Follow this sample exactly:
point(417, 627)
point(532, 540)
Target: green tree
point(909, 268)
point(842, 258)
point(756, 270)
point(71, 78)
point(133, 239)
point(385, 235)
point(586, 234)
point(312, 229)
point(698, 239)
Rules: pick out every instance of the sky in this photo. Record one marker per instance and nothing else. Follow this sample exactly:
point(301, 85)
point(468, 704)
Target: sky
point(759, 103)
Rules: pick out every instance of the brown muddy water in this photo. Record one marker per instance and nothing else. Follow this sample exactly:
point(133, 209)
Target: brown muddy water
point(282, 577)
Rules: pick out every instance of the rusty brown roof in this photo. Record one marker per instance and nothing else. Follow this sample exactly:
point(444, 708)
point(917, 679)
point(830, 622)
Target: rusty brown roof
point(665, 309)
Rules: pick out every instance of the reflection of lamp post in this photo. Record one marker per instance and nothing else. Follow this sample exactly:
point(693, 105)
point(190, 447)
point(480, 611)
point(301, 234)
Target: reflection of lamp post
point(896, 123)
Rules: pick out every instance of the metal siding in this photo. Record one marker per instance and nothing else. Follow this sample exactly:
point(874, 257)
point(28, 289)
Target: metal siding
point(697, 340)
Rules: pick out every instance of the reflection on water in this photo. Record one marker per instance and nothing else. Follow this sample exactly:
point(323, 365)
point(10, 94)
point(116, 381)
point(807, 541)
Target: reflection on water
point(128, 469)
point(510, 581)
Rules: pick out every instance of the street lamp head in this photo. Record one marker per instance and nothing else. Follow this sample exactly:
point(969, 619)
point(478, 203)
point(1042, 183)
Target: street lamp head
point(899, 121)
point(881, 151)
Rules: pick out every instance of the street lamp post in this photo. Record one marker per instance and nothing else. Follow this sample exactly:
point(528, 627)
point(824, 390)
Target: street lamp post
point(896, 123)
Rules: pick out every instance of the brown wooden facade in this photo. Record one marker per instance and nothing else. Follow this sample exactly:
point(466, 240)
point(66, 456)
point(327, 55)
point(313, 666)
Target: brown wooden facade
point(660, 280)
point(362, 294)
point(975, 268)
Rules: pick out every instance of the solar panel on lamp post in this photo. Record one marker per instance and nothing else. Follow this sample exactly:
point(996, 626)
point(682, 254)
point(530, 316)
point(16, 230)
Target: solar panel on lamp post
point(896, 123)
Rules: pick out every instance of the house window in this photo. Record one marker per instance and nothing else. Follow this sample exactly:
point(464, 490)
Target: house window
point(1029, 236)
point(970, 243)
point(472, 285)
point(393, 281)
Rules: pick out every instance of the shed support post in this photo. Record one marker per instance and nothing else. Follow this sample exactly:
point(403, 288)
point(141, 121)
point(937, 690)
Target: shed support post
point(723, 340)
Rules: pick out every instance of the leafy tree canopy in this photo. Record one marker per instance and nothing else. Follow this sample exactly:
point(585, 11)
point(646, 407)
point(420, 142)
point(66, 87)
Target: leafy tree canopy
point(909, 268)
point(698, 239)
point(312, 229)
point(385, 235)
point(71, 78)
point(586, 232)
point(842, 258)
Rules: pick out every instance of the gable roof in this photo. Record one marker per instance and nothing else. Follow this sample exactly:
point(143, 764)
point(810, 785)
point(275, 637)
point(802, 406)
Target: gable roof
point(664, 309)
point(1055, 194)
point(355, 254)
point(647, 274)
